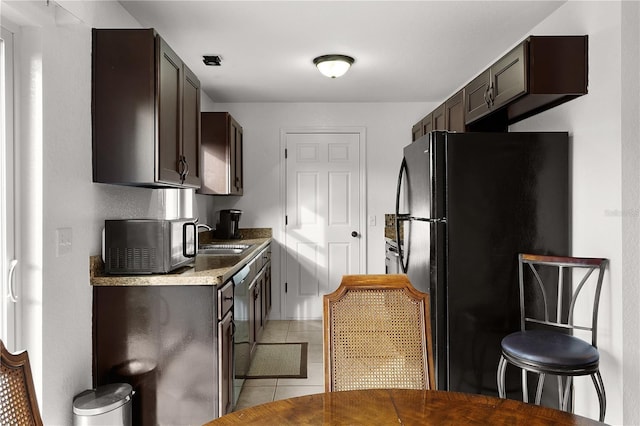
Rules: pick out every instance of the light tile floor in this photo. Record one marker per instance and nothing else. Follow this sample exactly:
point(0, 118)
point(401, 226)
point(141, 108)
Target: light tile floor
point(259, 391)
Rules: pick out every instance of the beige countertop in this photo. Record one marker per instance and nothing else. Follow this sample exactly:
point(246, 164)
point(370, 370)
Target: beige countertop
point(206, 270)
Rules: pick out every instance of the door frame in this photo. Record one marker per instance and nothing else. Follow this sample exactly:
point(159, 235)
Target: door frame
point(9, 201)
point(362, 157)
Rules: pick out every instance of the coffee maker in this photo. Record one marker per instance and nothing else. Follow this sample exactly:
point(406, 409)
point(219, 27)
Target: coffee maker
point(227, 226)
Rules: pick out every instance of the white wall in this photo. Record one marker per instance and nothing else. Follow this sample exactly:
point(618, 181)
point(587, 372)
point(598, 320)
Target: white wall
point(604, 139)
point(388, 129)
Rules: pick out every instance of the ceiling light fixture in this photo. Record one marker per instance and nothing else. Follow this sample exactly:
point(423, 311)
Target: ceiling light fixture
point(212, 60)
point(333, 65)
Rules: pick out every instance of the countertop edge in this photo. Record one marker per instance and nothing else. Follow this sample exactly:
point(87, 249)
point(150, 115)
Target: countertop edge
point(187, 275)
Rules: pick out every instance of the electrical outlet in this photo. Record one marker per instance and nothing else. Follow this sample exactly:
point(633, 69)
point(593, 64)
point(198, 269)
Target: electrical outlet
point(64, 241)
point(372, 220)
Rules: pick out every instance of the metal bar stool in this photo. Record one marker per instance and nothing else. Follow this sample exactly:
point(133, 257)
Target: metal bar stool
point(546, 343)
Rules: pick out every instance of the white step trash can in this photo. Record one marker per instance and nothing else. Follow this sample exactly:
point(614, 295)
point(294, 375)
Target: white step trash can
point(108, 405)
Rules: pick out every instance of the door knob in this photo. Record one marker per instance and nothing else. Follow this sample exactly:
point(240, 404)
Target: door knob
point(354, 234)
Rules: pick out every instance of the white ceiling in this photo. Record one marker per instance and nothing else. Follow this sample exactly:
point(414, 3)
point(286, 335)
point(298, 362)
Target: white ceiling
point(405, 51)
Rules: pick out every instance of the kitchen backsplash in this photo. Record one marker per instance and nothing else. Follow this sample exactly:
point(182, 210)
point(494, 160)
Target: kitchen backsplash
point(247, 233)
point(390, 226)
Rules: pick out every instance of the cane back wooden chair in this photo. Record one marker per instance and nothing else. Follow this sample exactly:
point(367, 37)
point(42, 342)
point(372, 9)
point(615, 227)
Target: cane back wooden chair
point(546, 343)
point(377, 334)
point(18, 404)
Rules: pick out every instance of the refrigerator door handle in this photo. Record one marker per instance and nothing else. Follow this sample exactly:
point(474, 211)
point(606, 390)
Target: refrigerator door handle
point(400, 217)
point(430, 220)
point(409, 218)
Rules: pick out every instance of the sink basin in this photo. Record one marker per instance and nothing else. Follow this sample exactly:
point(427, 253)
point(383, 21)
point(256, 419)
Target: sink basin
point(224, 249)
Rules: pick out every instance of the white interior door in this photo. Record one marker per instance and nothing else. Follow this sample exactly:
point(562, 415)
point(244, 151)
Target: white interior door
point(323, 213)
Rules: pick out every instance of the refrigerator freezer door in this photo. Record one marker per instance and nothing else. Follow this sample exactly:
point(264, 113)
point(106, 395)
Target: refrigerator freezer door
point(418, 178)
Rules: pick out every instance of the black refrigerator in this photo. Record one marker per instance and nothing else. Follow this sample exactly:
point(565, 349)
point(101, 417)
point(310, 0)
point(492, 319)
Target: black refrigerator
point(466, 205)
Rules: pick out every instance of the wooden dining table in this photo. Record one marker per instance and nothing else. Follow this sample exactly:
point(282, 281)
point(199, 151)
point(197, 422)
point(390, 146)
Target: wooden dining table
point(399, 407)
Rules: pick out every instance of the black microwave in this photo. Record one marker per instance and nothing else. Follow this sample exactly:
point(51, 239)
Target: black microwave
point(148, 246)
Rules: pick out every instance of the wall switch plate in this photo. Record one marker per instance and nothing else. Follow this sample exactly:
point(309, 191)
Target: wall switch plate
point(372, 220)
point(64, 237)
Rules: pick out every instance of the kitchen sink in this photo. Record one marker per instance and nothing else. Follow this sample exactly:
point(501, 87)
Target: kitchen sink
point(223, 248)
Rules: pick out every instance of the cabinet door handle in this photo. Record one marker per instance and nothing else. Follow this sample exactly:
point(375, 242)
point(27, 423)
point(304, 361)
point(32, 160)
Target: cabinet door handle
point(186, 168)
point(181, 167)
point(491, 93)
point(487, 95)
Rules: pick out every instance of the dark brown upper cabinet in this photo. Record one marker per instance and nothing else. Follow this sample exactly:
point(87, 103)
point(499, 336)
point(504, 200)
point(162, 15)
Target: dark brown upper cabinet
point(416, 131)
point(438, 118)
point(454, 112)
point(145, 112)
point(496, 86)
point(427, 124)
point(422, 127)
point(448, 116)
point(538, 74)
point(222, 157)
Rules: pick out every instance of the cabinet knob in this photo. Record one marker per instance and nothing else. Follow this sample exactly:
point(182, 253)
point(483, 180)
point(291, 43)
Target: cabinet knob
point(354, 234)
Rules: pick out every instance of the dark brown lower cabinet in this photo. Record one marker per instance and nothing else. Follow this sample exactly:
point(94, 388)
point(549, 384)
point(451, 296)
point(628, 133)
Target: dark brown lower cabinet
point(260, 296)
point(163, 341)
